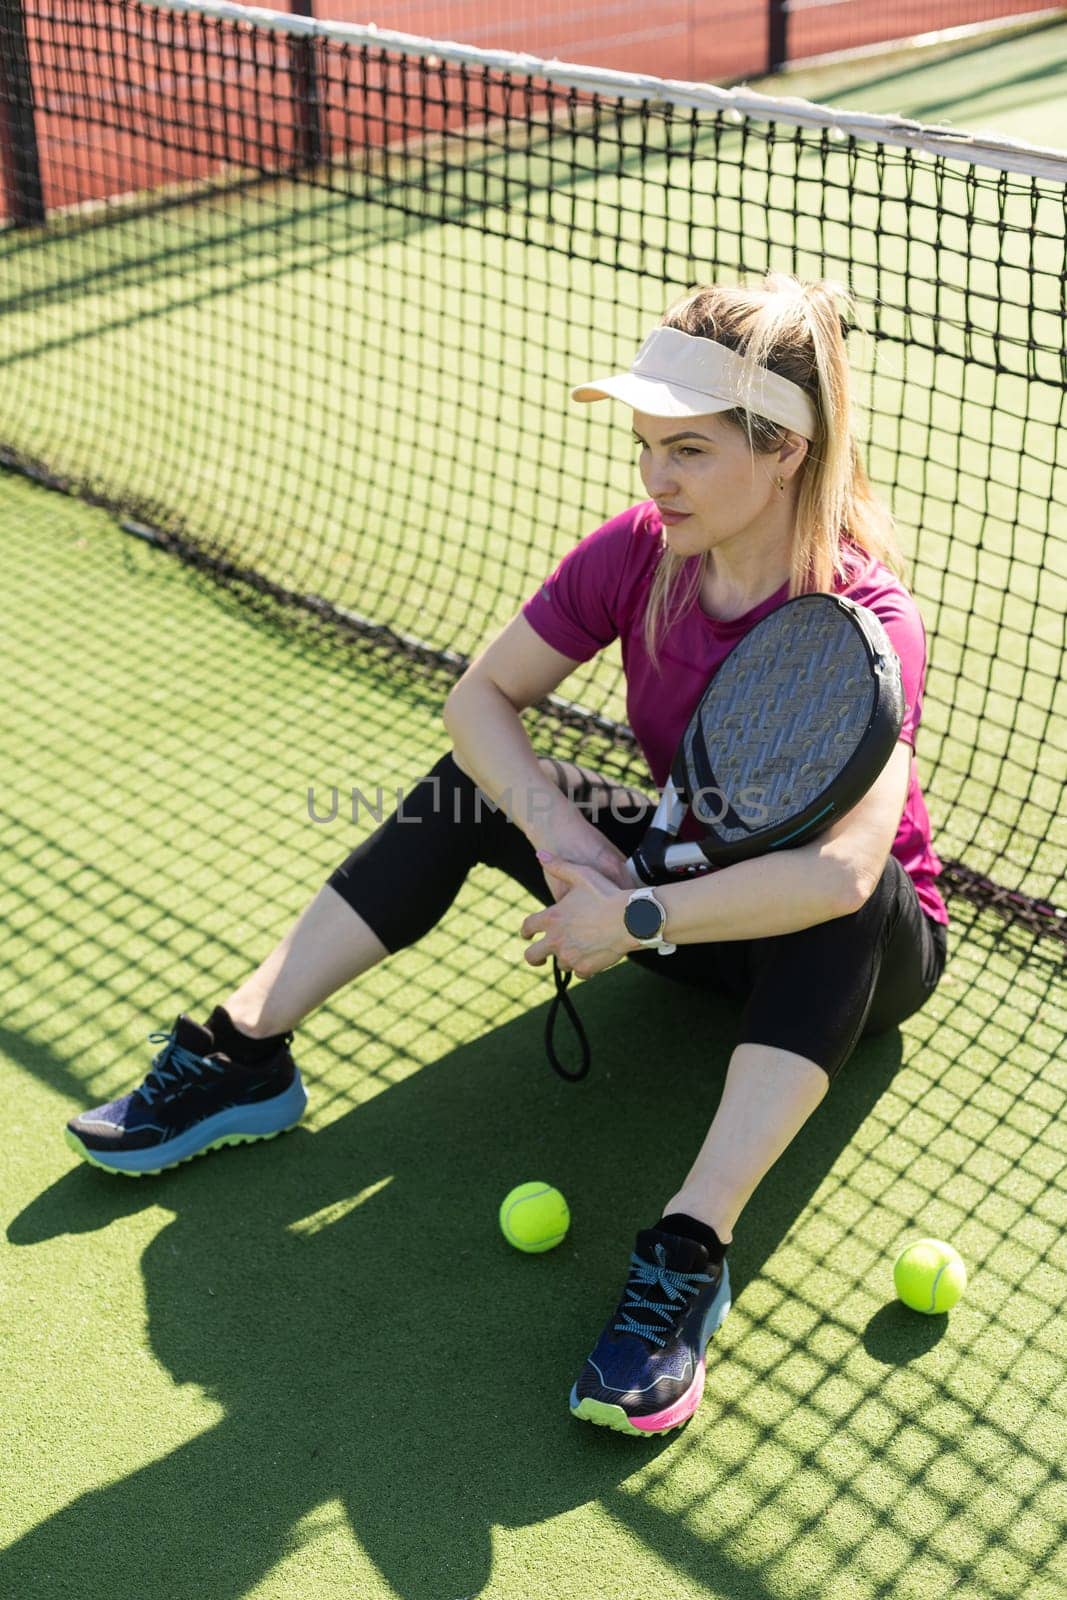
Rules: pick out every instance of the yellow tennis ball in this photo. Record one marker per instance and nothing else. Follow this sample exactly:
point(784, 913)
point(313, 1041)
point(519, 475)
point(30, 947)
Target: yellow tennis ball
point(534, 1217)
point(930, 1276)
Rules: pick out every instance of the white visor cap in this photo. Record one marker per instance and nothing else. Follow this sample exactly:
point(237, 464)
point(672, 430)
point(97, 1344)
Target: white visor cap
point(678, 374)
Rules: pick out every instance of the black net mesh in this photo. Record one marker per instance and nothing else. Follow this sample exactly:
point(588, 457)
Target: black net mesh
point(306, 310)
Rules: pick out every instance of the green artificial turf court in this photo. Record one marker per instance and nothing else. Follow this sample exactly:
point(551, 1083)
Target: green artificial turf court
point(312, 1368)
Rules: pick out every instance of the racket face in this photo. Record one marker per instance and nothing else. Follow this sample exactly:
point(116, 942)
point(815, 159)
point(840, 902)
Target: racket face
point(792, 730)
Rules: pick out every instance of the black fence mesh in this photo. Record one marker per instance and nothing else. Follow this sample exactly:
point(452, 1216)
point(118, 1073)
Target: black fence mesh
point(306, 308)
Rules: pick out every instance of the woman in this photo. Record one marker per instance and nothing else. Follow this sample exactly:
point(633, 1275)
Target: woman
point(742, 412)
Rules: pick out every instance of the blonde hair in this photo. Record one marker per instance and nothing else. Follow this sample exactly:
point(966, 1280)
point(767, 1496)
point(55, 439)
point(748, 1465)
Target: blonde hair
point(796, 330)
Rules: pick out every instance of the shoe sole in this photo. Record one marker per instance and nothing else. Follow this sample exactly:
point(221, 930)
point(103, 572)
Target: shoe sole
point(236, 1126)
point(606, 1415)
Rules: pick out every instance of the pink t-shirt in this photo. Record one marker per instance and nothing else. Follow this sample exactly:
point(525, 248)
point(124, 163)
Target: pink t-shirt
point(599, 592)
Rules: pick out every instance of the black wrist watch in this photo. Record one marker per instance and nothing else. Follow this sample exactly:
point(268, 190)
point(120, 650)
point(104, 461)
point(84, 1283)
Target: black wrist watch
point(645, 917)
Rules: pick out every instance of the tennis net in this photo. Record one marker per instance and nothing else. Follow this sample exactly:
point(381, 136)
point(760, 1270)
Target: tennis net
point(302, 302)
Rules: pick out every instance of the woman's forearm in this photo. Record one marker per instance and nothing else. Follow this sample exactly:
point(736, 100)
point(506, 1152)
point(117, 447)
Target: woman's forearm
point(758, 899)
point(761, 898)
point(492, 747)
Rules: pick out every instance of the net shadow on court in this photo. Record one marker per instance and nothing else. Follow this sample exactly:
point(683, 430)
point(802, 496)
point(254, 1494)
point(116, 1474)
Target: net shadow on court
point(342, 1297)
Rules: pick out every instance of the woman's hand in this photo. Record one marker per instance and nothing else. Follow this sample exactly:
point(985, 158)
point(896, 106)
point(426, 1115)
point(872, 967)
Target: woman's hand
point(578, 842)
point(584, 930)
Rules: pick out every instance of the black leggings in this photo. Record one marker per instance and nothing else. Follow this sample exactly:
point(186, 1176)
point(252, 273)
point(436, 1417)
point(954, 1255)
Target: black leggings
point(815, 992)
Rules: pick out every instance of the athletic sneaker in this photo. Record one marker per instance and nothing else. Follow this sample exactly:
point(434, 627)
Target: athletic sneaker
point(194, 1099)
point(646, 1372)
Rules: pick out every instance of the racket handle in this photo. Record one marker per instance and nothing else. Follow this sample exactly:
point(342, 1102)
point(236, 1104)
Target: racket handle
point(682, 858)
point(646, 865)
point(679, 861)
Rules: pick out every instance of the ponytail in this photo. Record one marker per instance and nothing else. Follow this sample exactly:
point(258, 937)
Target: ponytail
point(797, 330)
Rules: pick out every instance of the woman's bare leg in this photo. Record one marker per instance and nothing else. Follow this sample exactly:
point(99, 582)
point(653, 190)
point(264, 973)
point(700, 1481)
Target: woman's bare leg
point(327, 946)
point(768, 1096)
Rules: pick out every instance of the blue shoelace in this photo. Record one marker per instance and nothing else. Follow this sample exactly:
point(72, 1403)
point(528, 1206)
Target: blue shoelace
point(171, 1065)
point(677, 1289)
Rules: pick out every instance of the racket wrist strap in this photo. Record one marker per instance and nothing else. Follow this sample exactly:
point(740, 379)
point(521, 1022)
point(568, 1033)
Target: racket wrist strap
point(563, 998)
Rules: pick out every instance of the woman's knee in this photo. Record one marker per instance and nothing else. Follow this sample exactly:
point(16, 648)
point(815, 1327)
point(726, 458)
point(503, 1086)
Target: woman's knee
point(556, 770)
point(407, 873)
point(595, 796)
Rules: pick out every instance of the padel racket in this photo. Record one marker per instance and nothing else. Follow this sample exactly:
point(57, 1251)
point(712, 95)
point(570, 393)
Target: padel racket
point(791, 731)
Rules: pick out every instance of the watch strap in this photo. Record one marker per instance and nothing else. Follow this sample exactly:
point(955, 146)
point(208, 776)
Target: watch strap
point(661, 946)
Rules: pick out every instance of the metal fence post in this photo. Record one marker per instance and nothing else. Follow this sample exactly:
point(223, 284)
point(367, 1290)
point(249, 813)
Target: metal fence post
point(310, 141)
point(777, 35)
point(20, 164)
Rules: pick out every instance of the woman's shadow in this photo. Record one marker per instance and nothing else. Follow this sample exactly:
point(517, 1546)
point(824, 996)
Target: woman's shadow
point(347, 1299)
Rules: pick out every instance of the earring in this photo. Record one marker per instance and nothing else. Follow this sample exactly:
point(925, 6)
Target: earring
point(779, 484)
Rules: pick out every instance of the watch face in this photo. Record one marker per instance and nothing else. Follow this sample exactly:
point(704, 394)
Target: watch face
point(643, 919)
